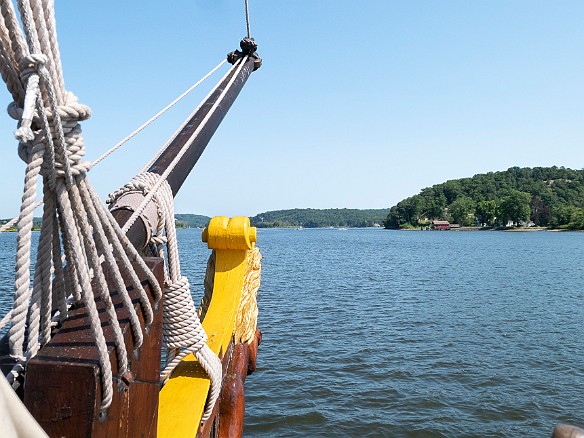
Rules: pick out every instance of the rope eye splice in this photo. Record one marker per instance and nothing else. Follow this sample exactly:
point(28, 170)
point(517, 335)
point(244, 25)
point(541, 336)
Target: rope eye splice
point(248, 48)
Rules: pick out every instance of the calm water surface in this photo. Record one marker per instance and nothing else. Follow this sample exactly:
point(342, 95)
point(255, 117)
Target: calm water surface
point(387, 333)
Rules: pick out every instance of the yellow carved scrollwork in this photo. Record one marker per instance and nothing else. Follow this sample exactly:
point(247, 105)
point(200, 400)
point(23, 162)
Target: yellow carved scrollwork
point(183, 397)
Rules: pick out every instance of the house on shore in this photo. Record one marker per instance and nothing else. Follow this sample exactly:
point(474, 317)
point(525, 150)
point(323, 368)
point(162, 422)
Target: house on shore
point(440, 225)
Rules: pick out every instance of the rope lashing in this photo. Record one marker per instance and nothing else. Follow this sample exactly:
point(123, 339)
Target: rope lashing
point(74, 218)
point(248, 49)
point(182, 332)
point(30, 66)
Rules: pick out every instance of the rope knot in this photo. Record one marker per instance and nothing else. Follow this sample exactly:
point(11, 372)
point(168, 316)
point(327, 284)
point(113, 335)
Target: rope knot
point(31, 64)
point(24, 134)
point(131, 197)
point(159, 239)
point(72, 111)
point(248, 48)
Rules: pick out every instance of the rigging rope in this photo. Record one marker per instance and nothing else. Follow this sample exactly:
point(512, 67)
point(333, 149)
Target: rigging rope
point(247, 18)
point(38, 203)
point(73, 217)
point(77, 222)
point(182, 332)
point(238, 66)
point(157, 115)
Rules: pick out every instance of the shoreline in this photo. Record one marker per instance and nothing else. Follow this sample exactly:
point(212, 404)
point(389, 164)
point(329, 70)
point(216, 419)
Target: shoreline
point(501, 229)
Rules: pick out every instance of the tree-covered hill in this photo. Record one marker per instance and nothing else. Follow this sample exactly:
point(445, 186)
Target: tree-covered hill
point(191, 220)
point(314, 218)
point(546, 196)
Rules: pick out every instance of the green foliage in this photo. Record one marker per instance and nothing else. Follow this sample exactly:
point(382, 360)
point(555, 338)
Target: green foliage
point(486, 212)
point(562, 216)
point(515, 207)
point(462, 210)
point(577, 219)
point(314, 218)
point(548, 196)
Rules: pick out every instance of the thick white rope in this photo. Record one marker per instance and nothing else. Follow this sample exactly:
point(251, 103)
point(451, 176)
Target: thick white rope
point(13, 221)
point(182, 332)
point(73, 217)
point(15, 49)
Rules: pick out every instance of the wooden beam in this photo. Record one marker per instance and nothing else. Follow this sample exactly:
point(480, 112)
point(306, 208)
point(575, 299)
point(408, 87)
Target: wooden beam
point(63, 384)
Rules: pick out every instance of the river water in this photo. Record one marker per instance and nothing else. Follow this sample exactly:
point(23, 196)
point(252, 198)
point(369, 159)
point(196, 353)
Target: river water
point(391, 333)
point(370, 332)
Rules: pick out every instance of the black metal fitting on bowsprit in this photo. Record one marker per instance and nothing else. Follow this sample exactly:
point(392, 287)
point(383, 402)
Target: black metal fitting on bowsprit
point(248, 47)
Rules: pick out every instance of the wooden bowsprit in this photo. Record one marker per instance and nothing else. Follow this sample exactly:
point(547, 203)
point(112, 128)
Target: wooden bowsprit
point(62, 387)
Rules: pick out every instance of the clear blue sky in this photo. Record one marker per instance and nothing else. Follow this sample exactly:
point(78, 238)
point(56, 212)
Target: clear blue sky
point(359, 104)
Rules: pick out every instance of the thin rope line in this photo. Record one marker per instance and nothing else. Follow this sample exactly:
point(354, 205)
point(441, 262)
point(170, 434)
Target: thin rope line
point(186, 121)
point(247, 18)
point(12, 221)
point(186, 146)
point(170, 105)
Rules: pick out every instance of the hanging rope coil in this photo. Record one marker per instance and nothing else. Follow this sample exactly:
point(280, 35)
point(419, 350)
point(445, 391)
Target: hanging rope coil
point(182, 332)
point(74, 218)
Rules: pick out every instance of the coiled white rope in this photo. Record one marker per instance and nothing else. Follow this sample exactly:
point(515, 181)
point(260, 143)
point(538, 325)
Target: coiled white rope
point(73, 217)
point(182, 332)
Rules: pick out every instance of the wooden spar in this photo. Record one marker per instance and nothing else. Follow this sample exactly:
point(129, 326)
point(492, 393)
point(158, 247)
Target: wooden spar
point(137, 233)
point(178, 175)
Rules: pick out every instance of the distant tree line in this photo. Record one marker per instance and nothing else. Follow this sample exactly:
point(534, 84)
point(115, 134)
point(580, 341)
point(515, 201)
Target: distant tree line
point(181, 221)
point(36, 224)
point(316, 218)
point(545, 196)
point(191, 220)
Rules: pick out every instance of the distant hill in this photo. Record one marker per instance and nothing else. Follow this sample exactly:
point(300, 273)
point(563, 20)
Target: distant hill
point(191, 220)
point(315, 218)
point(181, 220)
point(545, 196)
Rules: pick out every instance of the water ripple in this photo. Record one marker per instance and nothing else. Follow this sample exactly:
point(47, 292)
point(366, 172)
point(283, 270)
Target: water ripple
point(380, 333)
